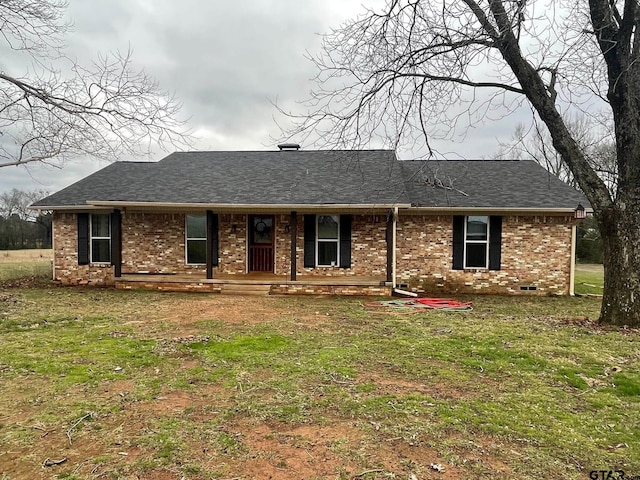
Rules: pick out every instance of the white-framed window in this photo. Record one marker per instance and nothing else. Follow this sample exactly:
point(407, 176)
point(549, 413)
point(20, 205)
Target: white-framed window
point(476, 241)
point(100, 238)
point(196, 239)
point(327, 240)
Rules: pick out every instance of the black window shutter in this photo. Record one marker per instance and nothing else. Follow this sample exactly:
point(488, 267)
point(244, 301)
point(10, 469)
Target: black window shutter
point(215, 239)
point(83, 239)
point(116, 241)
point(345, 241)
point(495, 242)
point(458, 242)
point(309, 241)
point(213, 244)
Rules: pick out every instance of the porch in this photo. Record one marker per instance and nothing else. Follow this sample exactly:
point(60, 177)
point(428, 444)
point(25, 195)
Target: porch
point(257, 283)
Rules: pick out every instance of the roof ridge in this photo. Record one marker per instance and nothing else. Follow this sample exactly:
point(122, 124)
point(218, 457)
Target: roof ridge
point(468, 160)
point(283, 152)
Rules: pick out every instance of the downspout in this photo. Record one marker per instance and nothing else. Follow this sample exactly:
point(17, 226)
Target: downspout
point(572, 273)
point(293, 226)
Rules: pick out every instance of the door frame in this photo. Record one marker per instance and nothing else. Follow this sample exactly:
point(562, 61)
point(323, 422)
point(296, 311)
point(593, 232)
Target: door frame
point(260, 253)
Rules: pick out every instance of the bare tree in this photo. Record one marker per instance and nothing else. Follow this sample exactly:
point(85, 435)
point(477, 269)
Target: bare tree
point(21, 227)
point(16, 202)
point(59, 109)
point(534, 142)
point(425, 67)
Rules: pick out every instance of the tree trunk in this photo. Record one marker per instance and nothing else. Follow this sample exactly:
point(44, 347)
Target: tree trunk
point(621, 240)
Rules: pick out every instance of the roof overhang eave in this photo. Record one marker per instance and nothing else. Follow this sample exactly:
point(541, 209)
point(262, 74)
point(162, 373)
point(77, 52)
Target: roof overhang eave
point(258, 207)
point(232, 207)
point(74, 208)
point(496, 210)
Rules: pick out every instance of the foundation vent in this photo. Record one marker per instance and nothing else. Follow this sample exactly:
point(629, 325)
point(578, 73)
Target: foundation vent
point(528, 287)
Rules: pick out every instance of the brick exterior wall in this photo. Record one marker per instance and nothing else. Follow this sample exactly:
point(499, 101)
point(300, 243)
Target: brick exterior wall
point(536, 251)
point(368, 249)
point(65, 255)
point(232, 241)
point(155, 243)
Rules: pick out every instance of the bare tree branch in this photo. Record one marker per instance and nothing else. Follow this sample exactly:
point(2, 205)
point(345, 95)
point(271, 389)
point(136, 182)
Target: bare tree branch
point(63, 110)
point(424, 70)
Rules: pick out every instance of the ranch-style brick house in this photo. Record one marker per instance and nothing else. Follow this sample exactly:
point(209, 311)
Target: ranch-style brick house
point(335, 222)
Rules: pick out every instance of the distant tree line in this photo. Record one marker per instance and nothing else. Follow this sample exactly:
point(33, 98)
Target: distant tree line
point(20, 227)
point(589, 248)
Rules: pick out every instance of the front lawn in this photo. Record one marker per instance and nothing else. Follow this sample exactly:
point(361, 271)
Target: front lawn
point(589, 279)
point(118, 384)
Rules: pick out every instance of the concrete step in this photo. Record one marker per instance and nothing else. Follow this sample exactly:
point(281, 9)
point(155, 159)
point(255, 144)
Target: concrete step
point(245, 289)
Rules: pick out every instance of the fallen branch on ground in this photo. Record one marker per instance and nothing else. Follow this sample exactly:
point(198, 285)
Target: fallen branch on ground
point(78, 422)
point(366, 472)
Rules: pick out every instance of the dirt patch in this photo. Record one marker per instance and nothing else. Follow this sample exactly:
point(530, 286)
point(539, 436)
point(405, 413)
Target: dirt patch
point(395, 386)
point(230, 310)
point(335, 450)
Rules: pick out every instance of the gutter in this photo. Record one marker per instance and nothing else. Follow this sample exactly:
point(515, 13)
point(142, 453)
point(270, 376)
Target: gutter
point(73, 208)
point(229, 207)
point(511, 210)
point(235, 207)
point(406, 208)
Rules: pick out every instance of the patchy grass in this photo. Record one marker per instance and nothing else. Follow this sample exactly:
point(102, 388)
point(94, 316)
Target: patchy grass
point(589, 279)
point(27, 255)
point(208, 386)
point(25, 264)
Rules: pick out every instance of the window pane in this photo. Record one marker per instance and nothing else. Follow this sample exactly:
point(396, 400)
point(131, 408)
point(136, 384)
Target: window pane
point(196, 226)
point(101, 250)
point(99, 225)
point(262, 230)
point(327, 253)
point(476, 255)
point(477, 228)
point(196, 251)
point(328, 227)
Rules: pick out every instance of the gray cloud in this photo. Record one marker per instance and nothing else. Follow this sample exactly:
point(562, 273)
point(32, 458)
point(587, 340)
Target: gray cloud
point(226, 61)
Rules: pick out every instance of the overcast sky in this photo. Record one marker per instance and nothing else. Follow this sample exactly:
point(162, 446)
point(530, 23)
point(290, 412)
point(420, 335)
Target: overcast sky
point(225, 61)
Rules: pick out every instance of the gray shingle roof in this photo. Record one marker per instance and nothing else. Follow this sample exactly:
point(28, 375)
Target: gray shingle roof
point(270, 178)
point(306, 177)
point(487, 183)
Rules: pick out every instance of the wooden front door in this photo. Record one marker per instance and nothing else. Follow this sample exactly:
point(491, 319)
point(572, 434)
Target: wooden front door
point(261, 233)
